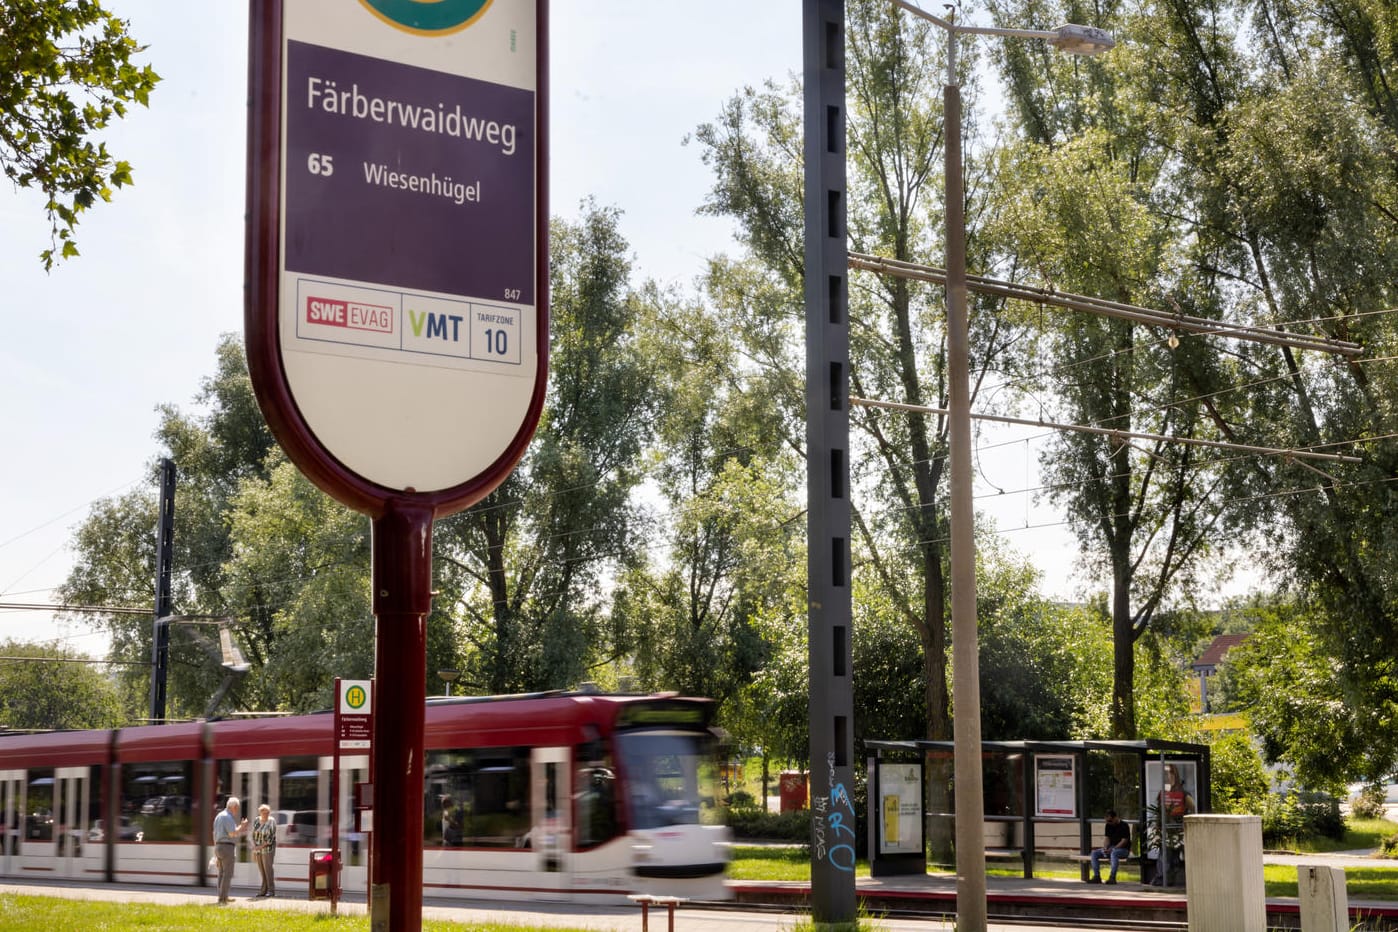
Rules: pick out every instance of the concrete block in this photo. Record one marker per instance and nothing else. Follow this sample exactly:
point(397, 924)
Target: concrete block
point(1223, 875)
point(1324, 900)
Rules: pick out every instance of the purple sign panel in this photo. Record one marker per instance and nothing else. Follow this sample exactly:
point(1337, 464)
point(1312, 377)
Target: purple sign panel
point(408, 177)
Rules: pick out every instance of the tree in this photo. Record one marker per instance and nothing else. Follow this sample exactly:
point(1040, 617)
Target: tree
point(699, 608)
point(896, 337)
point(516, 577)
point(215, 452)
point(52, 690)
point(66, 72)
point(1302, 704)
point(1045, 668)
point(521, 570)
point(1127, 187)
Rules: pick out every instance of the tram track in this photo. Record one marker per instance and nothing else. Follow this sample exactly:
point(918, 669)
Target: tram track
point(1043, 920)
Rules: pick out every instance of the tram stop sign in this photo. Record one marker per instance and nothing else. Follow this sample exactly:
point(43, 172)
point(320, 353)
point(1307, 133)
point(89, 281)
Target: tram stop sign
point(397, 289)
point(354, 721)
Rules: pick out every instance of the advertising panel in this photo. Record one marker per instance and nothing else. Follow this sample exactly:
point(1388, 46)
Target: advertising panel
point(900, 808)
point(1055, 785)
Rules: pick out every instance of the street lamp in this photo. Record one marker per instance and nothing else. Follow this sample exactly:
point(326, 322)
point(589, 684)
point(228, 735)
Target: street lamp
point(966, 720)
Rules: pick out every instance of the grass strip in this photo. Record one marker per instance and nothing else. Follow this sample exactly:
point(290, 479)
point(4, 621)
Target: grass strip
point(21, 913)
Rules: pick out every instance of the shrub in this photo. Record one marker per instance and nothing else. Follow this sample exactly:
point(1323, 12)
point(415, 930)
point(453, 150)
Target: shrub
point(1388, 846)
point(1368, 802)
point(742, 799)
point(1288, 817)
point(771, 826)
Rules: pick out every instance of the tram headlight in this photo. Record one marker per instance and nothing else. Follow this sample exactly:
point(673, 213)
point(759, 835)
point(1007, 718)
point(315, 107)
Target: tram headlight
point(641, 852)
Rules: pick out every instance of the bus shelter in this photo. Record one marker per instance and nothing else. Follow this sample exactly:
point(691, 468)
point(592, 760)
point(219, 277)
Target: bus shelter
point(1044, 801)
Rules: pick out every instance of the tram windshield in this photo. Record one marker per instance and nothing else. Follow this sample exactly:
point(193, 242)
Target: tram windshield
point(671, 777)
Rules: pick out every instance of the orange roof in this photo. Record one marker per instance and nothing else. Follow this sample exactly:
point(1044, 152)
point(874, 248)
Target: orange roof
point(1217, 648)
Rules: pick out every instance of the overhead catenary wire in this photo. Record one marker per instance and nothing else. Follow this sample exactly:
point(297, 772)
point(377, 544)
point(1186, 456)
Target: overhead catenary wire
point(1112, 432)
point(1035, 294)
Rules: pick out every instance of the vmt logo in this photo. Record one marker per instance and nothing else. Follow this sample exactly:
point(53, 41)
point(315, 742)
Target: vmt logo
point(428, 17)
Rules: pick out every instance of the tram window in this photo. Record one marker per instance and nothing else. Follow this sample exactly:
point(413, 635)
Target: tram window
point(155, 799)
point(476, 798)
point(38, 817)
point(299, 791)
point(671, 777)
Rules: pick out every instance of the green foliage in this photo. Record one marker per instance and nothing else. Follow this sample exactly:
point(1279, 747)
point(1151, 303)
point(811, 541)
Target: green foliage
point(1045, 669)
point(62, 693)
point(300, 564)
point(863, 922)
point(757, 825)
point(515, 577)
point(1298, 814)
point(1086, 202)
point(521, 569)
point(1238, 778)
point(1298, 703)
point(66, 71)
point(215, 452)
point(754, 149)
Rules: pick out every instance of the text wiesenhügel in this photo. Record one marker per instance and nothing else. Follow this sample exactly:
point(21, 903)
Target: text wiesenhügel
point(324, 94)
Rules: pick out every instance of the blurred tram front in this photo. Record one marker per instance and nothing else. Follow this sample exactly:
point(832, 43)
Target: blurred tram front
point(573, 796)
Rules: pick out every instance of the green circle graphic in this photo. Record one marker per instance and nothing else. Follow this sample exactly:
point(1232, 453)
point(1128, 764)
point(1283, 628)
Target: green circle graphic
point(354, 697)
point(428, 17)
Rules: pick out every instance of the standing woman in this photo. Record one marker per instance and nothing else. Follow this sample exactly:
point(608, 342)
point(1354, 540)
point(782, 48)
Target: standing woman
point(264, 849)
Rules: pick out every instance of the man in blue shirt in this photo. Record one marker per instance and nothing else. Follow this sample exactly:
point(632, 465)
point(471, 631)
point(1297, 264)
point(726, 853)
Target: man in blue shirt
point(226, 829)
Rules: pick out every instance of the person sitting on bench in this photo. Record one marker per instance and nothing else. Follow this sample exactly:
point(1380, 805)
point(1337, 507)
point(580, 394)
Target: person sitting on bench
point(1118, 846)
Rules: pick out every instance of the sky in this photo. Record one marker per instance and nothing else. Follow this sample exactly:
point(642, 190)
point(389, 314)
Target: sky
point(90, 350)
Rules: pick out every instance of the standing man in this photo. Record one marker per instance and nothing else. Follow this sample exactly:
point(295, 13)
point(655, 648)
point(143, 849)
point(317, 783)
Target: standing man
point(226, 829)
point(1118, 846)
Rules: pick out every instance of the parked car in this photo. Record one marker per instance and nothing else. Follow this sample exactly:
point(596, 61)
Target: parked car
point(126, 831)
point(309, 827)
point(165, 805)
point(283, 819)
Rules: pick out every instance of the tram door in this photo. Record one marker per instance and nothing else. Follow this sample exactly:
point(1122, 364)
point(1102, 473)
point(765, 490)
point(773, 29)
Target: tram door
point(11, 819)
point(74, 798)
point(255, 784)
point(552, 831)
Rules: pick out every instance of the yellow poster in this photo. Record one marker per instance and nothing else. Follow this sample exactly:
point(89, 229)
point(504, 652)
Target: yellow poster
point(890, 820)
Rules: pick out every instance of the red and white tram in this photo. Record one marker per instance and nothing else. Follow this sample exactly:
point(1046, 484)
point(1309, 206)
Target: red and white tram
point(557, 795)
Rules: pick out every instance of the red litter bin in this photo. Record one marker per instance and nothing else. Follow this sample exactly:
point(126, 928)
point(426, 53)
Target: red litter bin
point(793, 790)
point(321, 868)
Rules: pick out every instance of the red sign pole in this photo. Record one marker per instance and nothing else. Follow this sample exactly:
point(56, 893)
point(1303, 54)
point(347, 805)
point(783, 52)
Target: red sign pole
point(335, 809)
point(402, 579)
point(293, 255)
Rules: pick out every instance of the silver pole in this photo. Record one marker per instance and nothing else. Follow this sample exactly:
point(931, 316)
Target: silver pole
point(966, 691)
